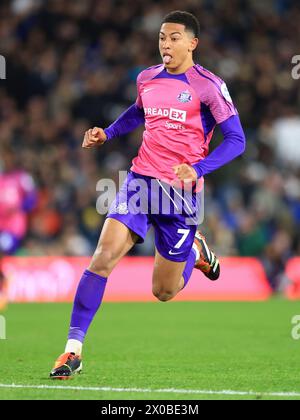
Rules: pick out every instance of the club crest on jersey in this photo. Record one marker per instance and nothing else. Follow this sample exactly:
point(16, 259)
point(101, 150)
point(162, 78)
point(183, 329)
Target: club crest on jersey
point(185, 97)
point(225, 92)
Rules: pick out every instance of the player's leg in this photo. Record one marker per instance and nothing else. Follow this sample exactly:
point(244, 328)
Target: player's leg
point(115, 241)
point(171, 274)
point(175, 257)
point(170, 277)
point(122, 229)
point(167, 279)
point(180, 249)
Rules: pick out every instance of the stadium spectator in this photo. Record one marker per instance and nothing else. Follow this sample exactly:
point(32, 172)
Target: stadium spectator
point(17, 199)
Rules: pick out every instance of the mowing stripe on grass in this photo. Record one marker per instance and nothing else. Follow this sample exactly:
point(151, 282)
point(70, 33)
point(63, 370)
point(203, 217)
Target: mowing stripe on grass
point(147, 390)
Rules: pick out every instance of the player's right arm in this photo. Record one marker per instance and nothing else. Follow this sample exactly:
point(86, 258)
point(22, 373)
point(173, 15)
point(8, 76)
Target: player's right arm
point(132, 118)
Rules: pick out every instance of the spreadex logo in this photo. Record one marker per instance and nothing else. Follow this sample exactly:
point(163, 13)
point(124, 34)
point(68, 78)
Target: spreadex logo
point(172, 113)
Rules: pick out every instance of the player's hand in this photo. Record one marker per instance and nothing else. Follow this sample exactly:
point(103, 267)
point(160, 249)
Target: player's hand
point(185, 172)
point(94, 137)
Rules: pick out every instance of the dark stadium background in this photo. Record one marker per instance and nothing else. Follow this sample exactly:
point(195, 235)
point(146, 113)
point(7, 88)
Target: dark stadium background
point(73, 64)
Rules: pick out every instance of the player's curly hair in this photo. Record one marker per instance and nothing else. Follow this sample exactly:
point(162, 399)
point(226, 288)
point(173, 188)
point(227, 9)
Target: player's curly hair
point(187, 19)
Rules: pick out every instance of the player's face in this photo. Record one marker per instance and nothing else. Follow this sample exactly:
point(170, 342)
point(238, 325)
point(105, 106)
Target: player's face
point(176, 46)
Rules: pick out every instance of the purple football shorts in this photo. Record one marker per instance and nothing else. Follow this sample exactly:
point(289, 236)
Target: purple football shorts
point(174, 213)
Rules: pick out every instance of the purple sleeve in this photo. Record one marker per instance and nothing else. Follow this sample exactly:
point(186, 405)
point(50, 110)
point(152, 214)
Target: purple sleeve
point(30, 202)
point(30, 194)
point(233, 145)
point(132, 118)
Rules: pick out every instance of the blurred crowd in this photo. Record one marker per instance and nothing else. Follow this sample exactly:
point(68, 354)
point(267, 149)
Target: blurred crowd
point(72, 64)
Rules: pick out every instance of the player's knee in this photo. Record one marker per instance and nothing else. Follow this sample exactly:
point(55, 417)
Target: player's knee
point(164, 295)
point(102, 262)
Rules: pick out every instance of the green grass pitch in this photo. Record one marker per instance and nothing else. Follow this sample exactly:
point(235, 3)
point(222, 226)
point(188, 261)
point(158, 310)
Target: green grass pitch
point(193, 346)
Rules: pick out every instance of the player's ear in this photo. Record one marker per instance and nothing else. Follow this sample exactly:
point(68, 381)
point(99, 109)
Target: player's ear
point(194, 44)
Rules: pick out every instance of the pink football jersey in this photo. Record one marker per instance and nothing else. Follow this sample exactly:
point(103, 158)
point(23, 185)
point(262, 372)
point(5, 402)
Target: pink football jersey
point(181, 112)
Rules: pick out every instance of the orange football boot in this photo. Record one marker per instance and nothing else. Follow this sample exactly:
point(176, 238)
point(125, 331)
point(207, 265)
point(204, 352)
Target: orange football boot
point(66, 366)
point(208, 263)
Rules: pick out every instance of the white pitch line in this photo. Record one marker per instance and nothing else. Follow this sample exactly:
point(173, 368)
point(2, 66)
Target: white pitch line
point(147, 390)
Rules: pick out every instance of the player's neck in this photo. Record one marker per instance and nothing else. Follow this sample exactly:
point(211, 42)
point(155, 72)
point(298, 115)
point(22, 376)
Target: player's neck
point(183, 68)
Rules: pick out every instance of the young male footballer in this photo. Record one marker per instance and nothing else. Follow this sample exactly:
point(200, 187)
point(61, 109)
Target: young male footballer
point(179, 103)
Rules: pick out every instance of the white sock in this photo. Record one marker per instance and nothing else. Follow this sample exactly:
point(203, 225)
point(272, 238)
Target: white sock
point(74, 346)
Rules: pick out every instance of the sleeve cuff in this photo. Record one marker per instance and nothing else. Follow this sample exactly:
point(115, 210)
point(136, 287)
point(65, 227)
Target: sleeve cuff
point(199, 171)
point(108, 133)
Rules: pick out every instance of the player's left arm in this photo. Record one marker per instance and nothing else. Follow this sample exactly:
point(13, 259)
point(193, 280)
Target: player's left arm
point(220, 104)
point(232, 146)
